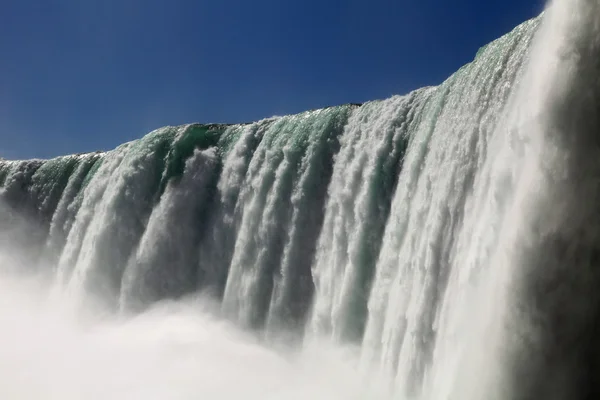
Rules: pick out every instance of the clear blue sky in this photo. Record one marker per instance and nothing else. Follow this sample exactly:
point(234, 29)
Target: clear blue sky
point(79, 75)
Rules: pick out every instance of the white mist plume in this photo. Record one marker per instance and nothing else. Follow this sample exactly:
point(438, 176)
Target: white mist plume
point(173, 351)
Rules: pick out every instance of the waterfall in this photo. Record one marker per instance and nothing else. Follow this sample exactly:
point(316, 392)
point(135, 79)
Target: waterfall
point(448, 236)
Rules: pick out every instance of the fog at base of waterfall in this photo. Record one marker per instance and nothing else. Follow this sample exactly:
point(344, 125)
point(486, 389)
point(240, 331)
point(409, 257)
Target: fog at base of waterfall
point(174, 350)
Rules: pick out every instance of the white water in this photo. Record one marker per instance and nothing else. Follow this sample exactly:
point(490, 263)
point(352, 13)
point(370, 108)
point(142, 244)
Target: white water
point(172, 351)
point(356, 211)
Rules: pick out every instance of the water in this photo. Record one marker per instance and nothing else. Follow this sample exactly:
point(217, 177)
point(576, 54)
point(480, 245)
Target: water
point(171, 351)
point(438, 245)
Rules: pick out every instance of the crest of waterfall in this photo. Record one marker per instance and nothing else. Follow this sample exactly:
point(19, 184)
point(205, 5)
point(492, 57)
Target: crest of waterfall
point(437, 232)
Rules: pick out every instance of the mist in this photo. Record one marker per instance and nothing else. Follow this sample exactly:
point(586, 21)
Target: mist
point(50, 349)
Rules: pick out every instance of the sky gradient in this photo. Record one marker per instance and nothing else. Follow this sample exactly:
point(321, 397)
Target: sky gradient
point(78, 76)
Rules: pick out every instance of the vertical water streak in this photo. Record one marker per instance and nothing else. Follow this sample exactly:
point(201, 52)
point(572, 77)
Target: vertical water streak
point(266, 212)
point(164, 265)
point(17, 180)
point(113, 215)
point(22, 234)
point(365, 171)
point(237, 146)
point(66, 209)
point(293, 286)
point(48, 184)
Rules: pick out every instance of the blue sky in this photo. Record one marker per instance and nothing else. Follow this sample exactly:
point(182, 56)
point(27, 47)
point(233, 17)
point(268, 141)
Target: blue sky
point(79, 76)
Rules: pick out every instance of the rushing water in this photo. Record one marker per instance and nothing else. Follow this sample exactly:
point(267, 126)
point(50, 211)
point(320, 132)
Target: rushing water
point(438, 245)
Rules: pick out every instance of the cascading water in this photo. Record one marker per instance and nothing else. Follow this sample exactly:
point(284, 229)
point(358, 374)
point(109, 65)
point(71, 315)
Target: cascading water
point(442, 244)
